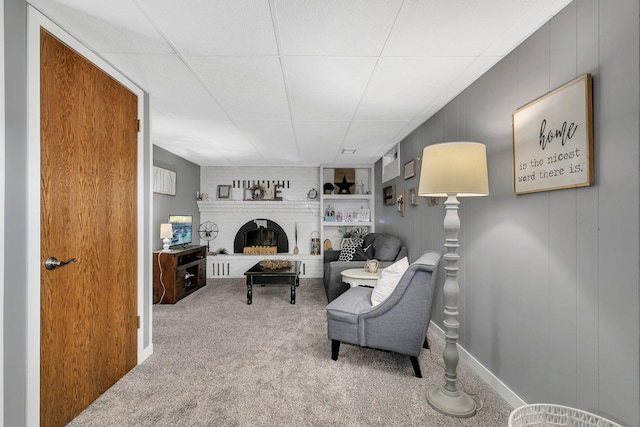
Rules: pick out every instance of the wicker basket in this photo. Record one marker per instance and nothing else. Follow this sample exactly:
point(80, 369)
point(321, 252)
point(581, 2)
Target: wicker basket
point(547, 415)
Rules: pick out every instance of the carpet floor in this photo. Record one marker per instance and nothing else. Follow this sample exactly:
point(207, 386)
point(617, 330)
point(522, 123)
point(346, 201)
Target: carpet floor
point(220, 362)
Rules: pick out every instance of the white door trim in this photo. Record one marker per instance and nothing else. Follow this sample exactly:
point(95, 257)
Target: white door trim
point(2, 205)
point(35, 21)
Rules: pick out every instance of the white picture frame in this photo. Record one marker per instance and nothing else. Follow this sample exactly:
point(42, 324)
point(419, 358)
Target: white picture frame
point(164, 181)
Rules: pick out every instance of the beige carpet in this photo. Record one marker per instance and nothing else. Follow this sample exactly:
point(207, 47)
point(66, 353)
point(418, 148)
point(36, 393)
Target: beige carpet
point(220, 362)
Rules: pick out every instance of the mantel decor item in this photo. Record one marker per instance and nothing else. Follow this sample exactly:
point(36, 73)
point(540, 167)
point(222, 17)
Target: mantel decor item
point(553, 140)
point(452, 169)
point(224, 191)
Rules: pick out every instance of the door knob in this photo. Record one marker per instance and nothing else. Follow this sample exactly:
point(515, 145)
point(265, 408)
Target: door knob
point(52, 262)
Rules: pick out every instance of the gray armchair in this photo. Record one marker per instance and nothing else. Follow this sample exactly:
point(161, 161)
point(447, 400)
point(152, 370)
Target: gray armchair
point(397, 324)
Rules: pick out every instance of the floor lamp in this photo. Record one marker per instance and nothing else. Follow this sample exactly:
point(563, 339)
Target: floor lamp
point(452, 170)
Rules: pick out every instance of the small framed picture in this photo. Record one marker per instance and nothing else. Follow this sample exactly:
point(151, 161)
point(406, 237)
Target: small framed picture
point(389, 195)
point(410, 169)
point(164, 181)
point(224, 191)
point(413, 197)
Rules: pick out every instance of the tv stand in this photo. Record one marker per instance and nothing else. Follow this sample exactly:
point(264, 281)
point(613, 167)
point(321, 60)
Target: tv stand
point(184, 270)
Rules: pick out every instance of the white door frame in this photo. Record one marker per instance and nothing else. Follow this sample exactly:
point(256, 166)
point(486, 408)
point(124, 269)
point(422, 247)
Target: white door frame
point(35, 21)
point(2, 196)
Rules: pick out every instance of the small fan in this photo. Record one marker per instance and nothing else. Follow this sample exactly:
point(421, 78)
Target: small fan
point(208, 231)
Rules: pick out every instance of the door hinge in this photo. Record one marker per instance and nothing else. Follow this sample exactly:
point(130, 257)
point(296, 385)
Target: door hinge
point(138, 321)
point(138, 125)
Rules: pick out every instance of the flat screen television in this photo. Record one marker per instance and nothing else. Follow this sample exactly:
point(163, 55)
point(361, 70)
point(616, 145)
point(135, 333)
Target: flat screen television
point(182, 226)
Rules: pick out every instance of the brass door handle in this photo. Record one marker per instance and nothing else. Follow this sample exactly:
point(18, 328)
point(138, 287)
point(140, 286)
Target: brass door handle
point(52, 262)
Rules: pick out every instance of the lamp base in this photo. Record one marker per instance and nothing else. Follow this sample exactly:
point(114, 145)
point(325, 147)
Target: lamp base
point(165, 245)
point(459, 405)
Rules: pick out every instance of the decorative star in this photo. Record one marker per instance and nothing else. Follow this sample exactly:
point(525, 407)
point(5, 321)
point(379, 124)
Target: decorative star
point(344, 185)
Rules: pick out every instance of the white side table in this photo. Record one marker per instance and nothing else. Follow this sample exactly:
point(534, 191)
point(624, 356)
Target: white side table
point(360, 277)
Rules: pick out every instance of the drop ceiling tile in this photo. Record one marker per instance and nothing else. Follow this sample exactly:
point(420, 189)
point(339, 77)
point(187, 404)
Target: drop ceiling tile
point(373, 137)
point(175, 89)
point(272, 139)
point(218, 134)
point(335, 27)
point(216, 27)
point(326, 88)
point(452, 28)
point(400, 87)
point(320, 142)
point(116, 26)
point(321, 133)
point(521, 28)
point(248, 88)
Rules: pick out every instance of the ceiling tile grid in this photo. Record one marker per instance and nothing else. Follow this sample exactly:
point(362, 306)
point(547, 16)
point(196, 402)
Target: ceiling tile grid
point(281, 82)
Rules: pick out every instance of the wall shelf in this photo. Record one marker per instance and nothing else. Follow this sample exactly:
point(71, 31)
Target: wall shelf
point(341, 204)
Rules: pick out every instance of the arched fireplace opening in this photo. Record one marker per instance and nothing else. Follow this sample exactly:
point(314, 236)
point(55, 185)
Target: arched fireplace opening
point(261, 232)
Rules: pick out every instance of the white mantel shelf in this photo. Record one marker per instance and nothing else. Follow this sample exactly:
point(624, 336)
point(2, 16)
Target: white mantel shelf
point(289, 206)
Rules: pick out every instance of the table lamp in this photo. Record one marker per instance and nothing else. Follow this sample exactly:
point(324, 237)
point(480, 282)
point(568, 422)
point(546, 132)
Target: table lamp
point(452, 170)
point(166, 233)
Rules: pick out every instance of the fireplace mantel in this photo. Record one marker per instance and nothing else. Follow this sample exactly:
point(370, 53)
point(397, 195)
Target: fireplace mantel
point(284, 206)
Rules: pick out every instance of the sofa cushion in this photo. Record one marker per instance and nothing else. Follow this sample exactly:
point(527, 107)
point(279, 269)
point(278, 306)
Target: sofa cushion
point(386, 247)
point(389, 278)
point(363, 254)
point(349, 249)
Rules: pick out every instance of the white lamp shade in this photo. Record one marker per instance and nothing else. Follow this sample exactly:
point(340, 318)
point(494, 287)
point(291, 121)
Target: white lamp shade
point(458, 168)
point(166, 231)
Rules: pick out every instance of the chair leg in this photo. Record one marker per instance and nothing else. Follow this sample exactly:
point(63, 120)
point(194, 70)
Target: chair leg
point(335, 348)
point(416, 366)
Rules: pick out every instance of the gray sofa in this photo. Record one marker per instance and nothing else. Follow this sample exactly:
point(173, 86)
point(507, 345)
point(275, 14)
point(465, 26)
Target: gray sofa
point(398, 324)
point(384, 248)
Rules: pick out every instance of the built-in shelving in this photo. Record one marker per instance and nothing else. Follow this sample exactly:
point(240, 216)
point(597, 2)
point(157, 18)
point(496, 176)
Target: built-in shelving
point(349, 210)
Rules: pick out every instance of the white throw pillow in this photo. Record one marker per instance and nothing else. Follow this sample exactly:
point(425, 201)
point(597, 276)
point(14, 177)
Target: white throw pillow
point(389, 278)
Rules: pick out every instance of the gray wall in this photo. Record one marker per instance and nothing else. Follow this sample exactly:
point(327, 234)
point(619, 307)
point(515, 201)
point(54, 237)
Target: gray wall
point(15, 242)
point(184, 202)
point(549, 298)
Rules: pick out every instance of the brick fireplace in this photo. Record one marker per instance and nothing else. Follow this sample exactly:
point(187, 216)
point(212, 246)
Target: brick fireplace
point(230, 215)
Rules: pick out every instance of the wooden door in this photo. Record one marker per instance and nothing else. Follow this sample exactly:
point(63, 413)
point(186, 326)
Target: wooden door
point(88, 212)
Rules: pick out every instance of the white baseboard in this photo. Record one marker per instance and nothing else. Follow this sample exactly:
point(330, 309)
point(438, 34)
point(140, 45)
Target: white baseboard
point(144, 355)
point(487, 376)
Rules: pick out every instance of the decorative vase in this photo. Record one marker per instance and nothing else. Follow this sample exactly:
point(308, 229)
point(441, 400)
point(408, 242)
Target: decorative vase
point(371, 266)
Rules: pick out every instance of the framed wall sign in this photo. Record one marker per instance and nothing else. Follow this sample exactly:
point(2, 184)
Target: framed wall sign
point(389, 195)
point(413, 197)
point(553, 140)
point(410, 169)
point(164, 181)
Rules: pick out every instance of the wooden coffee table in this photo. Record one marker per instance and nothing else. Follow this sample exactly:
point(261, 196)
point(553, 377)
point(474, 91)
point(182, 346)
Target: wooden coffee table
point(258, 275)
